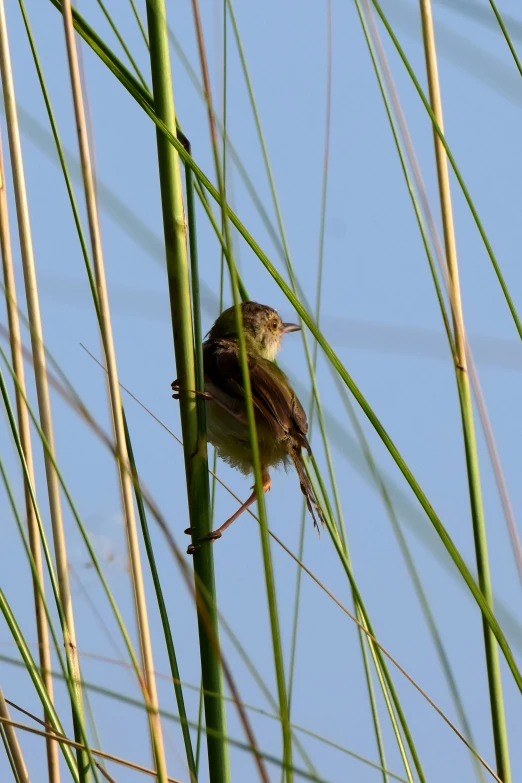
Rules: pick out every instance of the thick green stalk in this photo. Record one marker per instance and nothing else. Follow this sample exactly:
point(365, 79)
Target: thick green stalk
point(194, 439)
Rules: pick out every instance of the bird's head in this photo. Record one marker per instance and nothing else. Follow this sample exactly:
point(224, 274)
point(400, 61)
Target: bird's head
point(262, 326)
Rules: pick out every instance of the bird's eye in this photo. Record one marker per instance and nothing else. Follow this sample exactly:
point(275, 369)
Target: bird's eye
point(275, 324)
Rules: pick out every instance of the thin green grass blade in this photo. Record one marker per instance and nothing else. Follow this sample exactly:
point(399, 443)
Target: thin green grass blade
point(77, 518)
point(9, 755)
point(67, 667)
point(34, 673)
point(331, 355)
point(140, 23)
point(312, 361)
point(178, 691)
point(265, 541)
point(122, 43)
point(438, 643)
point(136, 90)
point(130, 701)
point(445, 663)
point(454, 166)
point(506, 35)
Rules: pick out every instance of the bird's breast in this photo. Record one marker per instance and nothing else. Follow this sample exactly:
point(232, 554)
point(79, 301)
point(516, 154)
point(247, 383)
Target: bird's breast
point(228, 431)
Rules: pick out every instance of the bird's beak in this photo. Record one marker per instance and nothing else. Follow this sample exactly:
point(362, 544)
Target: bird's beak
point(287, 328)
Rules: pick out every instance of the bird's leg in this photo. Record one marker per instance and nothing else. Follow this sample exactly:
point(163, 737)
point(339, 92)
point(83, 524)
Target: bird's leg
point(210, 398)
point(215, 534)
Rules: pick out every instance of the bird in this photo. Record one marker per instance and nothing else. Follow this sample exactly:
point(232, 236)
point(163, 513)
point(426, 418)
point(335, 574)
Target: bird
point(281, 421)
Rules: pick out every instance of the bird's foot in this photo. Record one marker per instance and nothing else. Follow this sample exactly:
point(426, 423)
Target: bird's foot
point(188, 531)
point(212, 536)
point(176, 388)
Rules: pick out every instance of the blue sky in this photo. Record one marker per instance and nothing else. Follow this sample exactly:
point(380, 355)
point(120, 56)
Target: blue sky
point(379, 313)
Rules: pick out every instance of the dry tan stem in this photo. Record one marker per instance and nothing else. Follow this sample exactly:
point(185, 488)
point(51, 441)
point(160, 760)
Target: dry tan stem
point(12, 741)
point(33, 308)
point(479, 528)
point(25, 439)
point(114, 396)
point(56, 738)
point(441, 258)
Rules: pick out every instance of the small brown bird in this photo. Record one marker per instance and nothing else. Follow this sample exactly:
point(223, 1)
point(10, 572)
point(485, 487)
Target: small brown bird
point(280, 419)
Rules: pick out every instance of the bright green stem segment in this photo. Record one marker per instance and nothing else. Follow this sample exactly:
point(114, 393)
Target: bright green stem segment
point(195, 448)
point(481, 549)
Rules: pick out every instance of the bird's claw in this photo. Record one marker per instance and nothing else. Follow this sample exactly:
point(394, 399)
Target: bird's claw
point(212, 536)
point(188, 531)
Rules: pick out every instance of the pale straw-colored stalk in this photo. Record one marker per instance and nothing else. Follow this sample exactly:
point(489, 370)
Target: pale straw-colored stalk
point(40, 370)
point(461, 369)
point(11, 739)
point(114, 396)
point(494, 455)
point(25, 438)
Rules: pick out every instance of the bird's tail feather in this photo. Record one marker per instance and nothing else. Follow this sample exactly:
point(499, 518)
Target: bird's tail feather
point(306, 488)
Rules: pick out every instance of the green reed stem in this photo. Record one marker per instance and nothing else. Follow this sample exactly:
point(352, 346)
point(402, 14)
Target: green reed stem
point(194, 437)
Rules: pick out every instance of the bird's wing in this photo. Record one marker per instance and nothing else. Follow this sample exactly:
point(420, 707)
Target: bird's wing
point(272, 394)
